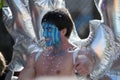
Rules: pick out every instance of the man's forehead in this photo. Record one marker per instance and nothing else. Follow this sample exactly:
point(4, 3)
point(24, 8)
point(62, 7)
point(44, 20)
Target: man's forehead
point(48, 24)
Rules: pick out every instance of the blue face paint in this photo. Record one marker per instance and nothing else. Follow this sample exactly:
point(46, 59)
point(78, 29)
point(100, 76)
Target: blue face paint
point(52, 33)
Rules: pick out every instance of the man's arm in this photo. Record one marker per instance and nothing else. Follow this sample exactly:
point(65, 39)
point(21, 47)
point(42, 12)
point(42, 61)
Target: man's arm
point(85, 61)
point(28, 73)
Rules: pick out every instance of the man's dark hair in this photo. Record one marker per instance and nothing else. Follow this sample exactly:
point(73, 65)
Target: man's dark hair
point(60, 19)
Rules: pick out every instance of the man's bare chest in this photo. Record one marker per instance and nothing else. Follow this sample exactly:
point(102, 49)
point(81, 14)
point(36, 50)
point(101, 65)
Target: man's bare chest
point(55, 64)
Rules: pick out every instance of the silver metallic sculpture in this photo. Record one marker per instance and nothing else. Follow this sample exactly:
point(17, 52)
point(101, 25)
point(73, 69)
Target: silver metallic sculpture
point(19, 24)
point(23, 21)
point(110, 18)
point(110, 14)
point(102, 40)
point(105, 40)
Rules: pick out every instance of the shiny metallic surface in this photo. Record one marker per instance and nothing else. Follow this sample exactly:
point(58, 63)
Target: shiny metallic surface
point(104, 46)
point(110, 14)
point(101, 40)
point(18, 22)
point(24, 25)
point(116, 18)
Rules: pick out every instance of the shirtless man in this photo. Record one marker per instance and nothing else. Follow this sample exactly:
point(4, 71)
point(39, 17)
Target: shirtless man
point(61, 58)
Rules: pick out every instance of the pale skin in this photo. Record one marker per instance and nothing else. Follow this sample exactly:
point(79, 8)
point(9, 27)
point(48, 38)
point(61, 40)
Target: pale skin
point(59, 62)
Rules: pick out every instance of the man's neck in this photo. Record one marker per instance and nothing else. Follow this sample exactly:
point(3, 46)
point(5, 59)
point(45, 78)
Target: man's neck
point(59, 49)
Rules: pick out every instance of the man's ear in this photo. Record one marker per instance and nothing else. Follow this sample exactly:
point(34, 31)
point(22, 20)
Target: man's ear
point(64, 31)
